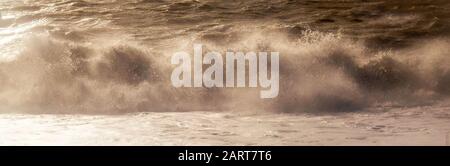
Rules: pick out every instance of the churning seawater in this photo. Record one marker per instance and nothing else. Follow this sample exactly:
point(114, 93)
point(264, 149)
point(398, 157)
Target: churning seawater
point(113, 56)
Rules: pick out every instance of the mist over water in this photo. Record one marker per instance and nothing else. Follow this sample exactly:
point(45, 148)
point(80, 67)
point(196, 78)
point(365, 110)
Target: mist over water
point(110, 56)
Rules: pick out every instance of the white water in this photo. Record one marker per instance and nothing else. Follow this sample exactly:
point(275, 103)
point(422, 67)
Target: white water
point(370, 73)
point(413, 126)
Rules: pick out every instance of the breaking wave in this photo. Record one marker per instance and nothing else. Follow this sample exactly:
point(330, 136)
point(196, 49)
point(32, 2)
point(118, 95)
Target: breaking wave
point(79, 56)
point(318, 72)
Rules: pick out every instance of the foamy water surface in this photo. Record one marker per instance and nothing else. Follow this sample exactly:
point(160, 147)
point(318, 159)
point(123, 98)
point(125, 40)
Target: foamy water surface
point(103, 57)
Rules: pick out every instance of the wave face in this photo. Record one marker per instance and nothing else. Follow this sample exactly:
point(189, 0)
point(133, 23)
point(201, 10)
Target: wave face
point(113, 56)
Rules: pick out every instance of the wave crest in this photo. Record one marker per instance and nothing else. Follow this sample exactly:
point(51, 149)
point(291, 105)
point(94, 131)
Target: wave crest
point(318, 72)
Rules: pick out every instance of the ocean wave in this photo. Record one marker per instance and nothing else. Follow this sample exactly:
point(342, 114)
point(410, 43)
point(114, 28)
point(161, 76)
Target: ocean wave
point(111, 56)
point(318, 72)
